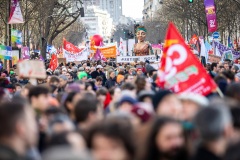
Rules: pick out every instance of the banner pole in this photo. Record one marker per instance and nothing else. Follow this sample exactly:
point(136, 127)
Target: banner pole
point(220, 92)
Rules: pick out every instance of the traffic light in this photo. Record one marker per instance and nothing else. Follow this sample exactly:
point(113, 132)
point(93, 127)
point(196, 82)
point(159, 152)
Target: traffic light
point(190, 1)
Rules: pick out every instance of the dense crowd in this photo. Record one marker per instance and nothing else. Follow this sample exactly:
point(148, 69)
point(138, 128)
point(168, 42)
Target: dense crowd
point(112, 111)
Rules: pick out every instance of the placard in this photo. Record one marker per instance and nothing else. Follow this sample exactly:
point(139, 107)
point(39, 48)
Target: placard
point(122, 59)
point(213, 58)
point(32, 69)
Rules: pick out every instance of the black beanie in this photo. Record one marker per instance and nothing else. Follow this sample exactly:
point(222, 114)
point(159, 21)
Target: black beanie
point(158, 97)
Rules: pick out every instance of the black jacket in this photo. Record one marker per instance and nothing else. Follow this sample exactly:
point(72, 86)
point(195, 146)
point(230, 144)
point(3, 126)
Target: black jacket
point(204, 154)
point(95, 74)
point(110, 83)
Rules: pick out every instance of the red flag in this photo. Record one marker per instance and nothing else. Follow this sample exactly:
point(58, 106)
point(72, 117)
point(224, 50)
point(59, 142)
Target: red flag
point(70, 47)
point(54, 62)
point(180, 70)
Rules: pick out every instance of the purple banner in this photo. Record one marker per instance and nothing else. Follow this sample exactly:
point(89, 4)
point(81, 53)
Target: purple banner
point(223, 49)
point(25, 53)
point(211, 15)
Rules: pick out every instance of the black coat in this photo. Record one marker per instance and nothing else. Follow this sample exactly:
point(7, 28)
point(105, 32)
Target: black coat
point(95, 74)
point(110, 83)
point(204, 154)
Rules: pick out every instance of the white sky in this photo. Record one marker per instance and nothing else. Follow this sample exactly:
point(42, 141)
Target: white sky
point(133, 8)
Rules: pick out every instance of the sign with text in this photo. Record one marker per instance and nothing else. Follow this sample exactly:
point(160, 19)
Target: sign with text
point(32, 69)
point(122, 59)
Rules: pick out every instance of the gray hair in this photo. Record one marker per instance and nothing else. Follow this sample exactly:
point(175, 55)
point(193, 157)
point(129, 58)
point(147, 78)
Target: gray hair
point(56, 72)
point(211, 121)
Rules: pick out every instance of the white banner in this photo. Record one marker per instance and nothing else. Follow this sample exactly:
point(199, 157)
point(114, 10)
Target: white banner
point(121, 59)
point(72, 57)
point(131, 43)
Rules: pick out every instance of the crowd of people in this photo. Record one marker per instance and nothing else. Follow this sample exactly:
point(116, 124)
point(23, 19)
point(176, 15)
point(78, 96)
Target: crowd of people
point(112, 111)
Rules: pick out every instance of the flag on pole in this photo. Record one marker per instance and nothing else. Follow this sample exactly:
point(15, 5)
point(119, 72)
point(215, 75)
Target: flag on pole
point(15, 13)
point(99, 56)
point(180, 70)
point(70, 47)
point(54, 62)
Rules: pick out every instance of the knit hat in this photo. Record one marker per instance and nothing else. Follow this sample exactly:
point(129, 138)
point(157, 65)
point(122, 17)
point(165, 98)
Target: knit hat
point(127, 99)
point(141, 113)
point(159, 96)
point(81, 75)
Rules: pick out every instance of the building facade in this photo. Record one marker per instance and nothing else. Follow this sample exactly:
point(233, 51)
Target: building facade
point(98, 21)
point(150, 8)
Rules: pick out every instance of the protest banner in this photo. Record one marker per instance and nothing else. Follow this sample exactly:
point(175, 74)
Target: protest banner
point(16, 37)
point(5, 52)
point(210, 10)
point(62, 60)
point(15, 56)
point(108, 52)
point(25, 53)
point(32, 69)
point(180, 70)
point(214, 58)
point(123, 59)
point(222, 49)
point(71, 57)
point(15, 13)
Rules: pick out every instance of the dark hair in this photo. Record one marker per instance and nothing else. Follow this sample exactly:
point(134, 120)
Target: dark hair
point(69, 98)
point(10, 114)
point(54, 79)
point(229, 74)
point(140, 83)
point(101, 91)
point(37, 90)
point(99, 78)
point(213, 65)
point(233, 91)
point(83, 107)
point(128, 86)
point(152, 152)
point(114, 128)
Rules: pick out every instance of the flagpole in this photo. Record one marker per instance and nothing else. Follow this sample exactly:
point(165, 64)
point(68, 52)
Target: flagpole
point(9, 25)
point(220, 92)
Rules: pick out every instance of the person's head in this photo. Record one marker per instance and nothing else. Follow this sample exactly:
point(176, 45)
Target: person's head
point(101, 94)
point(238, 60)
point(39, 97)
point(233, 91)
point(226, 66)
point(115, 93)
point(69, 76)
point(139, 71)
point(87, 69)
point(64, 71)
point(140, 83)
point(67, 138)
point(68, 103)
point(54, 80)
point(152, 72)
point(166, 103)
point(214, 67)
point(141, 33)
point(99, 68)
point(82, 76)
point(18, 86)
point(99, 81)
point(120, 78)
point(126, 104)
point(86, 111)
point(166, 140)
point(112, 74)
point(112, 139)
point(229, 75)
point(214, 123)
point(18, 125)
point(63, 80)
point(128, 78)
point(235, 69)
point(145, 96)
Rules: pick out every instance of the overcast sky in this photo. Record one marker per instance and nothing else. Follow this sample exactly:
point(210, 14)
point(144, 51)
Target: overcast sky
point(133, 8)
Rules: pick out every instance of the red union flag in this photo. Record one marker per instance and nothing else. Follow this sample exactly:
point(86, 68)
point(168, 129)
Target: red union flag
point(180, 70)
point(70, 47)
point(54, 62)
